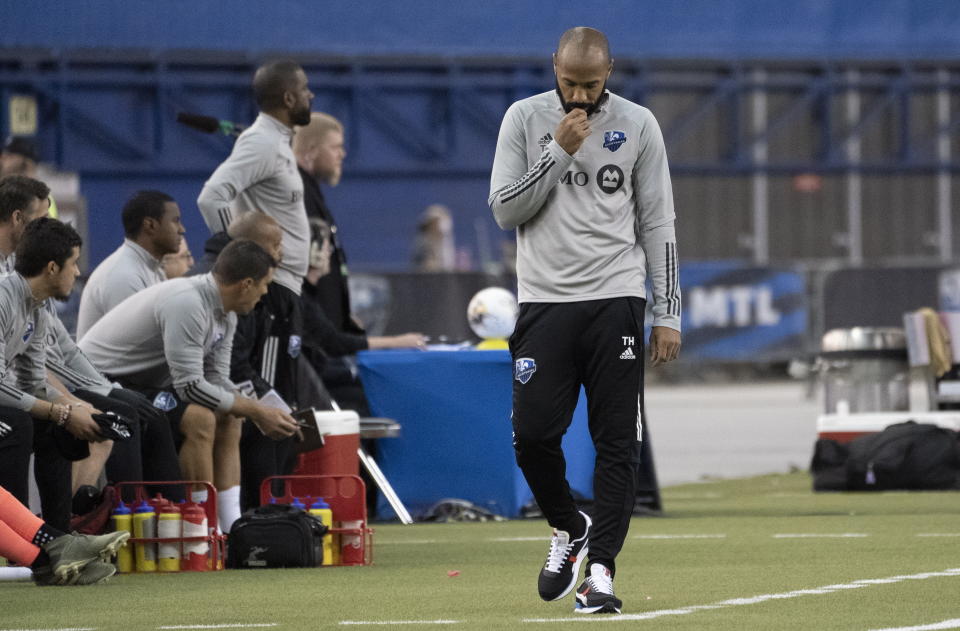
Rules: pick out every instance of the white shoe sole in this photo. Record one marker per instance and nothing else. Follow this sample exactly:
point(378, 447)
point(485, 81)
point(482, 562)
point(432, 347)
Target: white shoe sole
point(604, 608)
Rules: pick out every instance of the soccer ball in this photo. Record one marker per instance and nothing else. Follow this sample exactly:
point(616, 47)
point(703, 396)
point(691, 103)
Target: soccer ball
point(492, 313)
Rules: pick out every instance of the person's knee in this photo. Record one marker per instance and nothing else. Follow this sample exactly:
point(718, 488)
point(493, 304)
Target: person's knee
point(229, 428)
point(198, 424)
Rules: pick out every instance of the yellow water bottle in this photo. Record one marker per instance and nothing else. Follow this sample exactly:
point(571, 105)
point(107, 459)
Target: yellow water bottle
point(122, 519)
point(321, 511)
point(145, 526)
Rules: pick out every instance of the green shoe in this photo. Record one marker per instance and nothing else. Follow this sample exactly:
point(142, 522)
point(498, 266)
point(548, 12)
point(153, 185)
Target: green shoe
point(95, 572)
point(71, 553)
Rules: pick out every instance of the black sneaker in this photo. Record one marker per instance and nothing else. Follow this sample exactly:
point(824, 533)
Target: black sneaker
point(595, 594)
point(559, 573)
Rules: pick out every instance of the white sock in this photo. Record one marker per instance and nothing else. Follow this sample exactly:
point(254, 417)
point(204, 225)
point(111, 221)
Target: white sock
point(228, 507)
point(198, 496)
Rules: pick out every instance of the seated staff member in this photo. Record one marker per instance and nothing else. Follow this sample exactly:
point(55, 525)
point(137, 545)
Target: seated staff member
point(151, 223)
point(46, 266)
point(178, 336)
point(22, 199)
point(149, 454)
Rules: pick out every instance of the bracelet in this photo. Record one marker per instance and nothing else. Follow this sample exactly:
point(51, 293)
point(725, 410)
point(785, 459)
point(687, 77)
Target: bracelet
point(50, 412)
point(64, 417)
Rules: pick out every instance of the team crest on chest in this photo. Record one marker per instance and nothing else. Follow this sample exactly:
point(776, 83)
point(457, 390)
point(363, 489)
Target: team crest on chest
point(613, 139)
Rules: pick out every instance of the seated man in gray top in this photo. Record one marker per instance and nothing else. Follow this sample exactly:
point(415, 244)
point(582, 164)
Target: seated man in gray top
point(151, 223)
point(150, 452)
point(173, 341)
point(46, 267)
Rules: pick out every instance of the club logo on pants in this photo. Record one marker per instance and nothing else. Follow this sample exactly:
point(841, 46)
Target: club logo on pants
point(524, 368)
point(165, 401)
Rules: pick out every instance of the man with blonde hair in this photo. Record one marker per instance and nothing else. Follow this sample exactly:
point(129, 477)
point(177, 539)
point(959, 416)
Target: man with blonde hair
point(319, 150)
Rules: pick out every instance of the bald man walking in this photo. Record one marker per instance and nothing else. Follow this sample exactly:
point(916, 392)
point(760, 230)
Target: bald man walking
point(582, 176)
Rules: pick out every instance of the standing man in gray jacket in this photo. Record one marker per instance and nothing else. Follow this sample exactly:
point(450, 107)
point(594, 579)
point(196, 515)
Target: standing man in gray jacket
point(582, 176)
point(172, 342)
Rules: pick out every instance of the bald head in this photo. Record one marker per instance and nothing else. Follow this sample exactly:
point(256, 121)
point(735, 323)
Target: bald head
point(583, 44)
point(272, 80)
point(260, 228)
point(582, 64)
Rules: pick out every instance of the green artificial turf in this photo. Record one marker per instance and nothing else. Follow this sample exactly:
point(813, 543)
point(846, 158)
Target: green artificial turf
point(730, 552)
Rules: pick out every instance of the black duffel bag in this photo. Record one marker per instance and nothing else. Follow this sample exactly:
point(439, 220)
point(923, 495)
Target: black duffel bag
point(905, 456)
point(276, 535)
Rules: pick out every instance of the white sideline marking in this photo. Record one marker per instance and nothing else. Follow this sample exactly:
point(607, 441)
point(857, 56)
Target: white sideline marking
point(237, 625)
point(937, 534)
point(753, 600)
point(717, 536)
point(545, 538)
point(946, 624)
point(392, 622)
point(811, 535)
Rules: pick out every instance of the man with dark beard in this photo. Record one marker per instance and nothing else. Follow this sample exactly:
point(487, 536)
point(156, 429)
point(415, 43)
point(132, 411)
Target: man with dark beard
point(261, 172)
point(582, 175)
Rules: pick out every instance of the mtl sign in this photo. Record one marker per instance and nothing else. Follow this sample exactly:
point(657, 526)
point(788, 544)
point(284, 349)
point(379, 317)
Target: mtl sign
point(732, 306)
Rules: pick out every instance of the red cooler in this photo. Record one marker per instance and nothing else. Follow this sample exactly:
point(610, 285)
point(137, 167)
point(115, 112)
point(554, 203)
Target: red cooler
point(341, 437)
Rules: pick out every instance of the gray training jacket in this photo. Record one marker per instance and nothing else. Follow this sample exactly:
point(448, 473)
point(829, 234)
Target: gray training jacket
point(66, 360)
point(175, 333)
point(126, 271)
point(261, 174)
point(591, 225)
point(22, 352)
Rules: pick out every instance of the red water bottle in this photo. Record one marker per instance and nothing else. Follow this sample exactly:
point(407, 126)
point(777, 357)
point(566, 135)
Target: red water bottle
point(195, 556)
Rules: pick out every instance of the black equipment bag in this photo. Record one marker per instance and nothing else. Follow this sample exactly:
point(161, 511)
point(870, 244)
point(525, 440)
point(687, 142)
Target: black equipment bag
point(276, 535)
point(907, 456)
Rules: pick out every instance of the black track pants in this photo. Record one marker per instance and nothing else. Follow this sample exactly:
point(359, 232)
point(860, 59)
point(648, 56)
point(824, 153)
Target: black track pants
point(556, 348)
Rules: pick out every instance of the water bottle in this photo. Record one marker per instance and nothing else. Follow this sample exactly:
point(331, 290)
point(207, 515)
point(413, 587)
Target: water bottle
point(145, 526)
point(321, 511)
point(122, 519)
point(296, 503)
point(352, 546)
point(195, 525)
point(169, 527)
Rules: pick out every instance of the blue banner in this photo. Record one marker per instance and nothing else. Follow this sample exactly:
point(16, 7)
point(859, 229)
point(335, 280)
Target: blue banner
point(737, 313)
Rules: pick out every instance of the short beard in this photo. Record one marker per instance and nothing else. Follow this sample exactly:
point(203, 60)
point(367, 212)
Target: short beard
point(589, 108)
point(301, 117)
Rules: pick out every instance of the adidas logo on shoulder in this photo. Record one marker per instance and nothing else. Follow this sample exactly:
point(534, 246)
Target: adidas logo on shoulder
point(628, 354)
point(543, 142)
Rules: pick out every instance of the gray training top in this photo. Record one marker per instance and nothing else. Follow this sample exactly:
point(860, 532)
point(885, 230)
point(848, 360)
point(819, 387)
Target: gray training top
point(261, 174)
point(22, 352)
point(66, 360)
point(175, 333)
point(129, 269)
point(591, 225)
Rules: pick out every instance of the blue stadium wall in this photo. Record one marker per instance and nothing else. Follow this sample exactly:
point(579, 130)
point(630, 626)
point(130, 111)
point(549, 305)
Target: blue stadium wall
point(376, 203)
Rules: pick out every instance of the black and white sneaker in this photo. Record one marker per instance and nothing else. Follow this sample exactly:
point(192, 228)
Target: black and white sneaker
point(559, 573)
point(595, 594)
